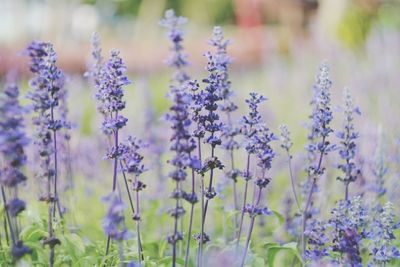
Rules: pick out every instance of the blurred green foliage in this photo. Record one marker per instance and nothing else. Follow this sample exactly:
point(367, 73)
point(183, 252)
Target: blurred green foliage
point(355, 26)
point(222, 11)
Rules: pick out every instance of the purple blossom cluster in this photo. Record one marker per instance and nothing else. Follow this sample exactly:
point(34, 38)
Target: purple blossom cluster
point(318, 145)
point(252, 129)
point(12, 145)
point(109, 79)
point(259, 143)
point(47, 88)
point(177, 59)
point(347, 147)
point(349, 222)
point(110, 93)
point(114, 221)
point(383, 249)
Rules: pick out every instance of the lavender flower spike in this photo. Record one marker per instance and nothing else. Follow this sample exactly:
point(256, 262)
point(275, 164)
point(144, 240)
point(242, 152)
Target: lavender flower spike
point(177, 59)
point(12, 143)
point(110, 82)
point(265, 154)
point(250, 126)
point(349, 224)
point(347, 148)
point(133, 165)
point(47, 84)
point(183, 144)
point(319, 145)
point(379, 168)
point(382, 235)
point(97, 65)
point(113, 223)
point(229, 130)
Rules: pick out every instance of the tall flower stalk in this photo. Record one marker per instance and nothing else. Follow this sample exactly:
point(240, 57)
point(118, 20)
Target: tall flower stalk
point(229, 130)
point(182, 145)
point(209, 124)
point(12, 143)
point(132, 164)
point(181, 96)
point(251, 124)
point(198, 133)
point(380, 169)
point(286, 144)
point(264, 154)
point(47, 84)
point(319, 146)
point(347, 147)
point(110, 82)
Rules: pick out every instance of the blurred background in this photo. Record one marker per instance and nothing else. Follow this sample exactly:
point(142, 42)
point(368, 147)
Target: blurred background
point(277, 48)
point(260, 28)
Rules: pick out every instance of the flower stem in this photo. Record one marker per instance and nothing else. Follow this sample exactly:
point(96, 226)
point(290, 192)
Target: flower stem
point(308, 203)
point(57, 201)
point(244, 200)
point(50, 221)
point(8, 219)
point(190, 222)
point(250, 229)
point(209, 185)
point(114, 184)
point(292, 180)
point(200, 251)
point(175, 229)
point(139, 245)
point(235, 200)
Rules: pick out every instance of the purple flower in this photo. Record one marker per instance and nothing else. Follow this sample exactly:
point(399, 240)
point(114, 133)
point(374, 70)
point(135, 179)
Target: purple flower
point(114, 221)
point(12, 145)
point(286, 142)
point(15, 206)
point(177, 59)
point(221, 63)
point(182, 143)
point(132, 158)
point(349, 228)
point(19, 250)
point(253, 210)
point(321, 118)
point(12, 135)
point(110, 93)
point(252, 122)
point(264, 151)
point(47, 89)
point(379, 170)
point(317, 240)
point(47, 84)
point(347, 147)
point(97, 66)
point(383, 249)
point(49, 79)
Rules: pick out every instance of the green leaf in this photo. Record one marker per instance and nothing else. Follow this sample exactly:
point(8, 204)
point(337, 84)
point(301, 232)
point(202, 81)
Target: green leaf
point(257, 262)
point(33, 233)
point(162, 248)
point(267, 245)
point(75, 244)
point(168, 261)
point(272, 251)
point(280, 217)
